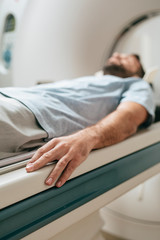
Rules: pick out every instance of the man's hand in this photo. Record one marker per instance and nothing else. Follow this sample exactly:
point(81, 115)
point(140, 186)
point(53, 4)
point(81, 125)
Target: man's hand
point(70, 151)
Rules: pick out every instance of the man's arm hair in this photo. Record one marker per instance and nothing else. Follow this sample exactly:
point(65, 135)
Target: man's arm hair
point(118, 125)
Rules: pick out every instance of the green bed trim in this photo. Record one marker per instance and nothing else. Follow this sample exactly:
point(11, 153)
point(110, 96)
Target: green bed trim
point(27, 216)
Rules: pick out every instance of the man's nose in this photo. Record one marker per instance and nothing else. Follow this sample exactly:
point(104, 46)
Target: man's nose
point(119, 55)
point(116, 54)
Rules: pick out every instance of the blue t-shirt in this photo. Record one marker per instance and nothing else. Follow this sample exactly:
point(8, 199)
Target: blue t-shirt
point(70, 105)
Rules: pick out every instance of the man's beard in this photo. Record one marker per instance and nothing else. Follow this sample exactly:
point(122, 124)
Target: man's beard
point(116, 70)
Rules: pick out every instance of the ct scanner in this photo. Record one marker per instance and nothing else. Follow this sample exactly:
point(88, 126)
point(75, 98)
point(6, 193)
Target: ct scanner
point(43, 41)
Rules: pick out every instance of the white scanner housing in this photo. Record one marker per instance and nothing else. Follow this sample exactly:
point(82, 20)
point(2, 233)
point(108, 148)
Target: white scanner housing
point(64, 39)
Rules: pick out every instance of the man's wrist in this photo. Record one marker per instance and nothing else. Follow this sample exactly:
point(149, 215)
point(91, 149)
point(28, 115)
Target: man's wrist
point(92, 137)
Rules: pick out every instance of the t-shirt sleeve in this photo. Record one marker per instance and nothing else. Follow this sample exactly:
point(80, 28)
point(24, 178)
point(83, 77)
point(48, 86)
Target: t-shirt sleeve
point(141, 92)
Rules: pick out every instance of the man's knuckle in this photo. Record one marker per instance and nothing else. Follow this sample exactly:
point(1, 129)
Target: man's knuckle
point(65, 159)
point(47, 155)
point(62, 164)
point(54, 141)
point(37, 165)
point(41, 151)
point(64, 145)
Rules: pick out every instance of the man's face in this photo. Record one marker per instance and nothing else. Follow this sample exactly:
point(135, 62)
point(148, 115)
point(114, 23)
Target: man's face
point(127, 62)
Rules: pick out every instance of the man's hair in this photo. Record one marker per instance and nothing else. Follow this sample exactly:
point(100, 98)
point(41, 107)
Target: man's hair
point(140, 71)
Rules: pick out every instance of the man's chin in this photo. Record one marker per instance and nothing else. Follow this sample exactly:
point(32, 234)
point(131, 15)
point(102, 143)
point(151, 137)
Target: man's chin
point(114, 69)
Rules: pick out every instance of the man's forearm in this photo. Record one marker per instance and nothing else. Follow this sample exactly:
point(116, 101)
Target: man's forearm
point(117, 126)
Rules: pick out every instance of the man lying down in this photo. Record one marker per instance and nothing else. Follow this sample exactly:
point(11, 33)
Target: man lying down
point(75, 116)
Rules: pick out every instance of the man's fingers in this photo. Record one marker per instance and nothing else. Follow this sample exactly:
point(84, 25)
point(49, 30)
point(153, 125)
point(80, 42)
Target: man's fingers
point(59, 168)
point(47, 153)
point(42, 150)
point(37, 154)
point(43, 159)
point(72, 165)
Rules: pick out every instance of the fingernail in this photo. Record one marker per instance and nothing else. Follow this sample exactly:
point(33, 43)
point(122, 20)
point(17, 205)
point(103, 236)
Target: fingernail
point(59, 184)
point(49, 181)
point(30, 166)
